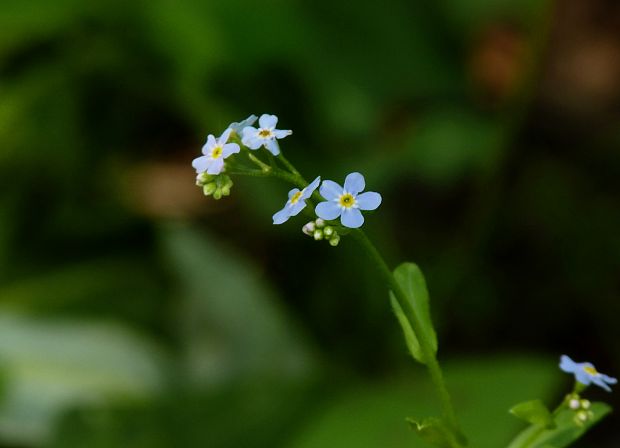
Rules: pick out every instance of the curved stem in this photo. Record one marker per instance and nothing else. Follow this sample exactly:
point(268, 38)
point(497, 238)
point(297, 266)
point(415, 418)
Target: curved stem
point(432, 364)
point(289, 166)
point(425, 345)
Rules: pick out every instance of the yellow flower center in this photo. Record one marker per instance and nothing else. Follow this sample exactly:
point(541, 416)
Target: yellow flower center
point(216, 152)
point(346, 200)
point(295, 197)
point(264, 133)
point(590, 370)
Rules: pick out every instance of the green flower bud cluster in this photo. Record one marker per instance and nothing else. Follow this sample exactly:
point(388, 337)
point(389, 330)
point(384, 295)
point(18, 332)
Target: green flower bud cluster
point(319, 231)
point(216, 185)
point(581, 407)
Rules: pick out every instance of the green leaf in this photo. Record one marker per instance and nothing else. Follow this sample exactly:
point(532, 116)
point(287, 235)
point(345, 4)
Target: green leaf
point(413, 285)
point(434, 431)
point(370, 414)
point(534, 412)
point(51, 365)
point(565, 432)
point(233, 325)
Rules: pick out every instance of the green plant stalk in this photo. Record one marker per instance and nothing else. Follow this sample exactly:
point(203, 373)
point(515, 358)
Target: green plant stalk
point(435, 372)
point(432, 364)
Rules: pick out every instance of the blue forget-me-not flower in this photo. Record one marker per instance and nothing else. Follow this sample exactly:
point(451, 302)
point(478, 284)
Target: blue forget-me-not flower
point(347, 202)
point(296, 202)
point(266, 135)
point(215, 151)
point(586, 374)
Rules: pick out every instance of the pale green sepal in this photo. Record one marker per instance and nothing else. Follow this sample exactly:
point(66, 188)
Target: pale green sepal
point(410, 279)
point(433, 431)
point(534, 412)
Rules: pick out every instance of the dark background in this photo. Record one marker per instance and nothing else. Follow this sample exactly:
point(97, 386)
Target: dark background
point(135, 312)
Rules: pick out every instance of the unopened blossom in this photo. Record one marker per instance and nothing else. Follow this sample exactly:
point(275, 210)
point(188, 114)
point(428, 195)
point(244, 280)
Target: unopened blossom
point(296, 202)
point(238, 127)
point(215, 151)
point(586, 374)
point(265, 135)
point(347, 202)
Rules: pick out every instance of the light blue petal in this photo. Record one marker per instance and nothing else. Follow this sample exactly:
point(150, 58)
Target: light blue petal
point(224, 137)
point(281, 216)
point(354, 183)
point(296, 208)
point(327, 210)
point(208, 146)
point(268, 121)
point(369, 200)
point(238, 127)
point(567, 364)
point(352, 218)
point(600, 383)
point(281, 134)
point(250, 137)
point(310, 188)
point(216, 166)
point(252, 141)
point(608, 379)
point(230, 148)
point(330, 190)
point(583, 377)
point(272, 146)
point(201, 164)
point(292, 192)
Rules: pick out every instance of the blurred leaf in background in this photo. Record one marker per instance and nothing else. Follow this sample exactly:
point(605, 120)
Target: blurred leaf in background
point(489, 127)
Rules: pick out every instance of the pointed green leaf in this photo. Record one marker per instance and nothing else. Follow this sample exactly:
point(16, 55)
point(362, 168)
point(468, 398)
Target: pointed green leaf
point(412, 282)
point(534, 412)
point(433, 431)
point(566, 431)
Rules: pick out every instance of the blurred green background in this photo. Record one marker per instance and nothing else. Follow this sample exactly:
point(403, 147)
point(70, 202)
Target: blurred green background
point(134, 312)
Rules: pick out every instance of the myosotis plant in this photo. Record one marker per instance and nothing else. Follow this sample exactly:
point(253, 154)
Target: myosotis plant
point(336, 211)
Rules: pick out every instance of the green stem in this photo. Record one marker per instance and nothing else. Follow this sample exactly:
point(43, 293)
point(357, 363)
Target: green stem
point(289, 166)
point(425, 345)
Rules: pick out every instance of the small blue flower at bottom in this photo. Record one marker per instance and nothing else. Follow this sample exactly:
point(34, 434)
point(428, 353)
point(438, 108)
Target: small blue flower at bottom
point(296, 202)
point(586, 374)
point(347, 202)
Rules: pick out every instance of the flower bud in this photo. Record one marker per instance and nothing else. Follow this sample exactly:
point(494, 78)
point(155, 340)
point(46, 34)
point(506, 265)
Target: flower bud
point(328, 231)
point(585, 404)
point(308, 228)
point(334, 240)
point(203, 179)
point(319, 223)
point(209, 188)
point(318, 234)
point(574, 404)
point(581, 417)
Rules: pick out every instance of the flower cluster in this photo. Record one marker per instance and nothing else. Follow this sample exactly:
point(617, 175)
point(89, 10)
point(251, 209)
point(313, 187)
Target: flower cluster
point(586, 374)
point(580, 406)
point(216, 150)
point(344, 203)
point(318, 230)
point(218, 185)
